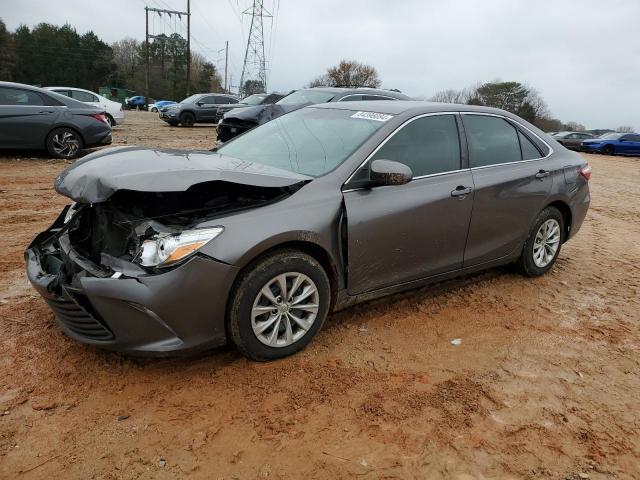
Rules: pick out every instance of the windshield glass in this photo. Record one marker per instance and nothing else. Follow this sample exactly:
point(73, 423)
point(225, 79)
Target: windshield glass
point(611, 136)
point(254, 99)
point(190, 99)
point(310, 141)
point(307, 96)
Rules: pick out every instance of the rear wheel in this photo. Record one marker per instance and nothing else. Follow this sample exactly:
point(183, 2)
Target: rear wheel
point(111, 121)
point(187, 119)
point(609, 150)
point(64, 143)
point(278, 305)
point(543, 244)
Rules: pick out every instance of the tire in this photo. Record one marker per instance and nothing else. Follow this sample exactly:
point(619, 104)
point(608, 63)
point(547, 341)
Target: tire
point(609, 150)
point(64, 143)
point(187, 119)
point(154, 110)
point(538, 254)
point(297, 268)
point(112, 122)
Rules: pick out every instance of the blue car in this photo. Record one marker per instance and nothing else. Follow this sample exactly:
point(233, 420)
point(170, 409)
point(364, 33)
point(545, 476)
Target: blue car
point(137, 101)
point(154, 107)
point(613, 144)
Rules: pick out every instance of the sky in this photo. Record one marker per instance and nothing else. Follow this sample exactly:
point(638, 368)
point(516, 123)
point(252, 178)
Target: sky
point(582, 56)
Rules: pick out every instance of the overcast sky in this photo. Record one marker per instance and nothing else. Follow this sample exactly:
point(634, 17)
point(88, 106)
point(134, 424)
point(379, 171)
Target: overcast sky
point(583, 56)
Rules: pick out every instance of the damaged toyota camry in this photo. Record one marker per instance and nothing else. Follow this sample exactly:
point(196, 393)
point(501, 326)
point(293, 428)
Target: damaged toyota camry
point(167, 251)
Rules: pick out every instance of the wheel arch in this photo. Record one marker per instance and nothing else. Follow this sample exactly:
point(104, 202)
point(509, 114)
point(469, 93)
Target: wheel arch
point(70, 127)
point(567, 216)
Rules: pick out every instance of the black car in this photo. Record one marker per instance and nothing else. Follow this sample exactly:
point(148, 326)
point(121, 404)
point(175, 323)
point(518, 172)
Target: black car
point(166, 250)
point(199, 108)
point(37, 119)
point(250, 101)
point(235, 123)
point(572, 140)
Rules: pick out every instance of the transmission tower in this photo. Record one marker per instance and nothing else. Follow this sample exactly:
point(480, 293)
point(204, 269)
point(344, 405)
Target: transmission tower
point(255, 67)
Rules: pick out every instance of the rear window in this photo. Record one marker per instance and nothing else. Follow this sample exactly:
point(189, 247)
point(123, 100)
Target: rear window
point(307, 96)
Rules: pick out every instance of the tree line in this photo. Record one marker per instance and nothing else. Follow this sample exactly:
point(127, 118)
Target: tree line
point(49, 55)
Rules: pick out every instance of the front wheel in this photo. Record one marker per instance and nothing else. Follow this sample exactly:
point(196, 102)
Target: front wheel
point(154, 110)
point(543, 244)
point(187, 119)
point(278, 305)
point(64, 143)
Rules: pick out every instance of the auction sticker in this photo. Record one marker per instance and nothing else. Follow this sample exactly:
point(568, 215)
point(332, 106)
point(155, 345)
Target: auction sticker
point(378, 117)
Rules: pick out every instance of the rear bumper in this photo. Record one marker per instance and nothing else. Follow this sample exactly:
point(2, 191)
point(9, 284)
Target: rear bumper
point(178, 311)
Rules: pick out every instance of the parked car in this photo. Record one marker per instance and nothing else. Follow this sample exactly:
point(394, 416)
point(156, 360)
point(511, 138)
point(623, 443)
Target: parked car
point(113, 110)
point(199, 108)
point(250, 101)
point(237, 122)
point(35, 118)
point(572, 140)
point(613, 144)
point(138, 101)
point(154, 107)
point(333, 204)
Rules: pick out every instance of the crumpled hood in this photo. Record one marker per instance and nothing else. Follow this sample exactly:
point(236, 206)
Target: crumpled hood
point(262, 113)
point(96, 177)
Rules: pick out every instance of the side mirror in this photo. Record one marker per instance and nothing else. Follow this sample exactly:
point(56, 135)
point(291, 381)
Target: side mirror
point(199, 104)
point(389, 172)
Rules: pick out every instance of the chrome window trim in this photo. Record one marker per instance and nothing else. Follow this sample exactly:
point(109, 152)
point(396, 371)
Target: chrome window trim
point(406, 122)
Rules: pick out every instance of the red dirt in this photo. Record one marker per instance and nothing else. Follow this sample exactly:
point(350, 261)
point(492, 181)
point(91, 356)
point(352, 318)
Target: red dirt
point(544, 385)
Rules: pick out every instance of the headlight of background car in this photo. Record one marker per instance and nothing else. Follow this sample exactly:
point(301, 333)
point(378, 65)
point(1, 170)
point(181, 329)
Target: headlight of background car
point(164, 250)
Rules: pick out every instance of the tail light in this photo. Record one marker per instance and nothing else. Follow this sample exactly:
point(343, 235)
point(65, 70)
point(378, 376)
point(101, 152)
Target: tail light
point(100, 117)
point(586, 172)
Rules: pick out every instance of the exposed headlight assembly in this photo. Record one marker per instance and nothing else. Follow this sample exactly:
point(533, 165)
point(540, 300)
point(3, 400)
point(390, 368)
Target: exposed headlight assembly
point(165, 250)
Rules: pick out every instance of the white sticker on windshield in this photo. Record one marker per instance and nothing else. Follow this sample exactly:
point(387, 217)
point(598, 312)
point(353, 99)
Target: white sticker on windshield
point(378, 117)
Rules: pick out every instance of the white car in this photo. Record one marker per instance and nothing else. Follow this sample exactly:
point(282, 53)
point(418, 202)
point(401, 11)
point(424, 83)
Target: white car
point(113, 110)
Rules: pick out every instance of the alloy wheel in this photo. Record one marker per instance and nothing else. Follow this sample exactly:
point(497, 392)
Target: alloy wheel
point(546, 243)
point(65, 144)
point(285, 309)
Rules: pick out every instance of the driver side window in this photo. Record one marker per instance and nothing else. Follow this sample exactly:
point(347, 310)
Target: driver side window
point(427, 145)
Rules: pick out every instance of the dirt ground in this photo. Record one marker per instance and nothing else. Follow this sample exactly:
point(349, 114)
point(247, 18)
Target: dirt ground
point(545, 382)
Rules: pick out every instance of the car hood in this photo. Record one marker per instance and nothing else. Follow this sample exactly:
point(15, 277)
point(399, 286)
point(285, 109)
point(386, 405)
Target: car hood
point(96, 177)
point(262, 113)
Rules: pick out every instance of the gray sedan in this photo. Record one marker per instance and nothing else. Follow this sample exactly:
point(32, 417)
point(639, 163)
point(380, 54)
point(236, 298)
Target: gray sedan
point(330, 205)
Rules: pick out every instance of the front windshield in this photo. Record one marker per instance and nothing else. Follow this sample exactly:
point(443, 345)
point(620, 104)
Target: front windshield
point(306, 96)
point(255, 99)
point(190, 99)
point(310, 141)
point(611, 136)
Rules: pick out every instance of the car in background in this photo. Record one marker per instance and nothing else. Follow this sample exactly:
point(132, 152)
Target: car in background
point(198, 108)
point(237, 122)
point(250, 101)
point(572, 140)
point(113, 110)
point(154, 107)
point(35, 118)
point(138, 101)
point(322, 208)
point(613, 144)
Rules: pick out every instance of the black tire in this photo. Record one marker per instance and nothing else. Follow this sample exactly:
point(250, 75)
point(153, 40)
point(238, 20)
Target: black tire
point(526, 263)
point(111, 121)
point(609, 150)
point(246, 291)
point(187, 119)
point(154, 110)
point(64, 143)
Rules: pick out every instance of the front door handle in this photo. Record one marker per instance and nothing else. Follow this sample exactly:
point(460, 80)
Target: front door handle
point(542, 174)
point(461, 191)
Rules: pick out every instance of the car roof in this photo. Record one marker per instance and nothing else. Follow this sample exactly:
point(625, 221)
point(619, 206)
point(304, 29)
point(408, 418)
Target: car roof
point(20, 85)
point(397, 107)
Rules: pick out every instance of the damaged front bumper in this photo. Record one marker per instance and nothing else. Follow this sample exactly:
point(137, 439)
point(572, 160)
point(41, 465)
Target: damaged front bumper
point(126, 308)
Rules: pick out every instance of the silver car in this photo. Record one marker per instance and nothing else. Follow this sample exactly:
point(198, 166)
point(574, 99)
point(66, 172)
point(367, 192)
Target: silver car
point(171, 251)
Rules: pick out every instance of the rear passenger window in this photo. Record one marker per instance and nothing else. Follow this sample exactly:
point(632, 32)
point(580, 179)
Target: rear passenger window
point(529, 150)
point(376, 97)
point(83, 96)
point(16, 96)
point(427, 145)
point(492, 140)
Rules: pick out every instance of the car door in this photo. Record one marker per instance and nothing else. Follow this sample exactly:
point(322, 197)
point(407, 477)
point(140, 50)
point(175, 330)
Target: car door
point(629, 144)
point(397, 234)
point(26, 117)
point(512, 180)
point(206, 108)
point(634, 142)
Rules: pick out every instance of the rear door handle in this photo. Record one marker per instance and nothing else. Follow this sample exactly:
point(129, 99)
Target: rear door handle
point(542, 174)
point(461, 191)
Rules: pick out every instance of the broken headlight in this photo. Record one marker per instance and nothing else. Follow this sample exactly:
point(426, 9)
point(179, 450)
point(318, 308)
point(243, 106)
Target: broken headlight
point(163, 250)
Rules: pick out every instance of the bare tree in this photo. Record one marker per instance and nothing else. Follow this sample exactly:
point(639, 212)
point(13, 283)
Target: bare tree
point(624, 129)
point(450, 96)
point(348, 73)
point(574, 127)
point(126, 55)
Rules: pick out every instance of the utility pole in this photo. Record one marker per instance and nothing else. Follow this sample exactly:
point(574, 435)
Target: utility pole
point(188, 48)
point(254, 61)
point(161, 11)
point(226, 65)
